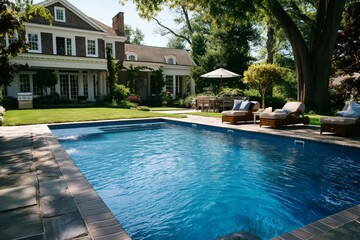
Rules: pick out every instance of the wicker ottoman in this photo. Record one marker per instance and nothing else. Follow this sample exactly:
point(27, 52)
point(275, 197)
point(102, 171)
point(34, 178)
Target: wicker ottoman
point(342, 126)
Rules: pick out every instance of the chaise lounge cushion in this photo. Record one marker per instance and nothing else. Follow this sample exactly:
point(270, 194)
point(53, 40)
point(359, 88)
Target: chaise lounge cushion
point(234, 113)
point(273, 115)
point(338, 120)
point(283, 113)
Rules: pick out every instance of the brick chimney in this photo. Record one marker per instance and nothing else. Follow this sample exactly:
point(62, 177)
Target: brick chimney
point(118, 22)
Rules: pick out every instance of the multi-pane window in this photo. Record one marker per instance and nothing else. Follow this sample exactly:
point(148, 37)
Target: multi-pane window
point(63, 46)
point(59, 14)
point(69, 86)
point(10, 39)
point(169, 84)
point(64, 85)
point(74, 86)
point(132, 58)
point(68, 46)
point(33, 40)
point(91, 47)
point(24, 83)
point(110, 46)
point(170, 61)
point(86, 86)
point(36, 88)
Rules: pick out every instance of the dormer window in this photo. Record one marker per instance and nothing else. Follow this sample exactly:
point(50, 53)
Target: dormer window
point(131, 56)
point(59, 14)
point(170, 59)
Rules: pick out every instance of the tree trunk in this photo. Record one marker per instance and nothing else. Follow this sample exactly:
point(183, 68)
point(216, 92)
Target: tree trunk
point(313, 62)
point(270, 44)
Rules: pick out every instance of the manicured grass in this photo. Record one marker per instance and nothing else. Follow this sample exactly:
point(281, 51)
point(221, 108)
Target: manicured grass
point(165, 108)
point(206, 114)
point(315, 119)
point(43, 116)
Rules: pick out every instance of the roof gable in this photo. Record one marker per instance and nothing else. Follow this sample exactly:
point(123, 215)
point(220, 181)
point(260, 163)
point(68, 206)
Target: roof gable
point(74, 17)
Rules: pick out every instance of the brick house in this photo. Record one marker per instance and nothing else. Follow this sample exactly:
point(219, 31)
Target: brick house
point(75, 48)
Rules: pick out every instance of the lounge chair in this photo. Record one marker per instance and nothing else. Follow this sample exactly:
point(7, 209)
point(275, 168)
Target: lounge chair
point(346, 123)
point(242, 111)
point(291, 113)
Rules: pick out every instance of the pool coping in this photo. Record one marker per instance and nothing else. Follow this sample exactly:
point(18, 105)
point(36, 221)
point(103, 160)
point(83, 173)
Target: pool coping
point(102, 224)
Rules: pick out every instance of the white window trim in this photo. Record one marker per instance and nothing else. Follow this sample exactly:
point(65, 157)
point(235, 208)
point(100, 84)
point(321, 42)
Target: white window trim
point(55, 15)
point(73, 47)
point(128, 54)
point(113, 49)
point(16, 35)
point(39, 41)
point(96, 47)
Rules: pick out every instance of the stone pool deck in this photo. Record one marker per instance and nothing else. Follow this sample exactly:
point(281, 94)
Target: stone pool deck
point(44, 196)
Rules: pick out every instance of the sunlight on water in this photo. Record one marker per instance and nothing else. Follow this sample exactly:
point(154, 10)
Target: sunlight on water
point(179, 182)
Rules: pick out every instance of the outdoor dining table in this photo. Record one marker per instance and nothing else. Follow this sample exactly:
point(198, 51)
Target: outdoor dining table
point(215, 103)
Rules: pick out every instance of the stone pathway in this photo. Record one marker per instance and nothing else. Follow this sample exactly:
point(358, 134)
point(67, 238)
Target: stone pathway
point(44, 196)
point(42, 193)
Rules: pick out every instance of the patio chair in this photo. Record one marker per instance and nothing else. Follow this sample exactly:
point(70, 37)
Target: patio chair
point(347, 121)
point(242, 111)
point(291, 113)
point(202, 103)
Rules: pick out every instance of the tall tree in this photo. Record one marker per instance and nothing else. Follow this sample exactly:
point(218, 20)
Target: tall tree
point(312, 49)
point(346, 57)
point(313, 57)
point(13, 15)
point(112, 73)
point(134, 36)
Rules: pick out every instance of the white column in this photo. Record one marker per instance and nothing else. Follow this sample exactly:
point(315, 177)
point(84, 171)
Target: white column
point(174, 87)
point(192, 86)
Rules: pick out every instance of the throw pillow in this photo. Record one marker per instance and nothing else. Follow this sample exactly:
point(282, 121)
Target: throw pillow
point(245, 105)
point(251, 106)
point(353, 110)
point(237, 104)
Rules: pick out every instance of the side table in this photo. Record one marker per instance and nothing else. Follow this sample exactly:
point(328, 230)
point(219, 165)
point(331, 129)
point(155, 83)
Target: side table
point(256, 114)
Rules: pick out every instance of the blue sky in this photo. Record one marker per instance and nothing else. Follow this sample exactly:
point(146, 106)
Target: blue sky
point(104, 10)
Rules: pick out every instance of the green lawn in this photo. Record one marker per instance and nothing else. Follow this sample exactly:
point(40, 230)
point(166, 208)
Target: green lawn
point(314, 119)
point(43, 116)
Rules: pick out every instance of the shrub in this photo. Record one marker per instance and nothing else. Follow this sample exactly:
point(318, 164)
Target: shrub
point(134, 99)
point(121, 92)
point(2, 110)
point(10, 103)
point(127, 104)
point(1, 120)
point(231, 92)
point(188, 102)
point(143, 108)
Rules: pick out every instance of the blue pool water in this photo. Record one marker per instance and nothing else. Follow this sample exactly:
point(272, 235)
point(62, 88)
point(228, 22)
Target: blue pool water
point(174, 182)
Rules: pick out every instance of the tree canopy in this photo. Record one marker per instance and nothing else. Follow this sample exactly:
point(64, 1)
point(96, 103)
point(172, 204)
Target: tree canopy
point(310, 26)
point(13, 15)
point(134, 36)
point(264, 76)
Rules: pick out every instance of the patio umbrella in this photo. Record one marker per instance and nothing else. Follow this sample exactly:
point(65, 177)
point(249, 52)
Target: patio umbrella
point(220, 73)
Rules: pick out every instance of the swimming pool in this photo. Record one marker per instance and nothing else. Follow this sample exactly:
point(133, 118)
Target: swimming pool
point(192, 182)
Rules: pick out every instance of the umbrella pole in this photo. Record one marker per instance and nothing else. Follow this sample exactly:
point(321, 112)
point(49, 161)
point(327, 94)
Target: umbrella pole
point(220, 83)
